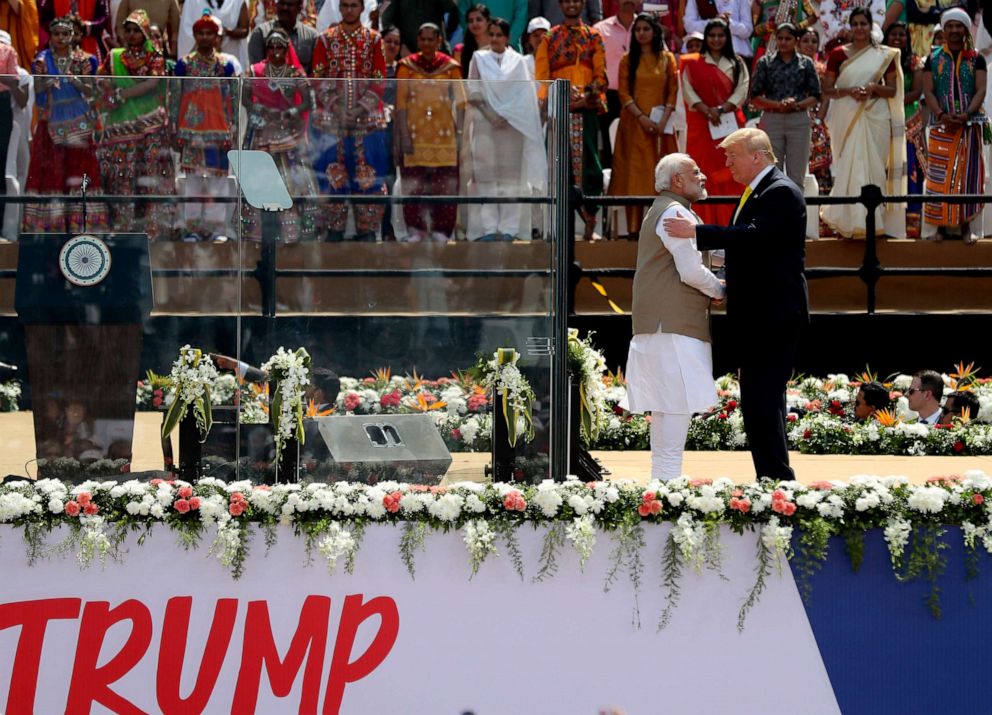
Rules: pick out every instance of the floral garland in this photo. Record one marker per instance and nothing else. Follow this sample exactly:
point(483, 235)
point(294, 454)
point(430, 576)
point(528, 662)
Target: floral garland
point(332, 519)
point(501, 375)
point(192, 376)
point(588, 367)
point(10, 393)
point(289, 374)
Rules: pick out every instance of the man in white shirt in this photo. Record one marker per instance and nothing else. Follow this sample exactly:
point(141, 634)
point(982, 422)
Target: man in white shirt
point(670, 362)
point(924, 395)
point(737, 13)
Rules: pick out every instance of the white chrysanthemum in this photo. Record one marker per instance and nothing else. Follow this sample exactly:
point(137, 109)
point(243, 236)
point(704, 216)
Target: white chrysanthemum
point(927, 499)
point(447, 507)
point(474, 504)
point(548, 499)
point(902, 382)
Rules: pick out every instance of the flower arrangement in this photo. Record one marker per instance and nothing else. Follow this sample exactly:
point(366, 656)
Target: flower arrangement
point(820, 419)
point(792, 520)
point(289, 374)
point(501, 376)
point(192, 376)
point(10, 393)
point(587, 366)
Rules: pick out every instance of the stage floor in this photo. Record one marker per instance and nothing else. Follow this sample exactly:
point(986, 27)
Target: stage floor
point(17, 457)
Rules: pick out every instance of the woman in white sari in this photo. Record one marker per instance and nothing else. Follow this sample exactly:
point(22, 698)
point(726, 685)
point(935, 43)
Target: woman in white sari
point(867, 130)
point(508, 156)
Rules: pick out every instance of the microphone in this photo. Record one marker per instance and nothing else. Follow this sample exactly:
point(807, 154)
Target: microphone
point(240, 368)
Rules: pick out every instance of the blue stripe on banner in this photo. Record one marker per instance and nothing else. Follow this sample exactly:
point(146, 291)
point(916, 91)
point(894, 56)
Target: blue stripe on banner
point(884, 651)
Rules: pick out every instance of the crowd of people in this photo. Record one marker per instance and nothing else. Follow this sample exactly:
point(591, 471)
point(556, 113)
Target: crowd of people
point(850, 94)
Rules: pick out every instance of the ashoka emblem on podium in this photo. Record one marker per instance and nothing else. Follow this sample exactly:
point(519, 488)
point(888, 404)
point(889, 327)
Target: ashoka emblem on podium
point(84, 260)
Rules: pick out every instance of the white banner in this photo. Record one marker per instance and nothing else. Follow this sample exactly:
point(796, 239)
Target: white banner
point(168, 630)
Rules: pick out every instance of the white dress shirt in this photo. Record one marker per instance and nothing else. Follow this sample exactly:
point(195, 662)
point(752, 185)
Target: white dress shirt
point(668, 372)
point(741, 25)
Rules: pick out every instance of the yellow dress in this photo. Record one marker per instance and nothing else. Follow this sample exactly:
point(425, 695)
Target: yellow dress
point(430, 105)
point(636, 153)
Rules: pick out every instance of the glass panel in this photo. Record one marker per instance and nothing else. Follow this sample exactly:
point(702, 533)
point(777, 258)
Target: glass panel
point(392, 298)
point(110, 286)
point(405, 257)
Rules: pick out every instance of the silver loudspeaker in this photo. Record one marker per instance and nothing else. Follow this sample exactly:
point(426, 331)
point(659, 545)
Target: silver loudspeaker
point(374, 448)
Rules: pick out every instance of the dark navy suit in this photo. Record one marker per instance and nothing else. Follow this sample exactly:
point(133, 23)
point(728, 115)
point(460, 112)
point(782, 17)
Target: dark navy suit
point(767, 307)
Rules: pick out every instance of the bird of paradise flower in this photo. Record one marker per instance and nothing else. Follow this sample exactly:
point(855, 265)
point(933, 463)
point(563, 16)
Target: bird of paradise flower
point(313, 410)
point(886, 418)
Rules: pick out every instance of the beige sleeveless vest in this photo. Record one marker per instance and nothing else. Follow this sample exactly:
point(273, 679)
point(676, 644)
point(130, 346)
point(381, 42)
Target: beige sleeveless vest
point(661, 299)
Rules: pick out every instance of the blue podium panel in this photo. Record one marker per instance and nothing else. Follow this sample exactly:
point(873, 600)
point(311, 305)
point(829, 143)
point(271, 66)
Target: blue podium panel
point(882, 648)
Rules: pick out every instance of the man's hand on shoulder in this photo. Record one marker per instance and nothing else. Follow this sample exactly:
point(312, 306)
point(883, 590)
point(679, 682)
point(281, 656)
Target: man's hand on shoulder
point(679, 226)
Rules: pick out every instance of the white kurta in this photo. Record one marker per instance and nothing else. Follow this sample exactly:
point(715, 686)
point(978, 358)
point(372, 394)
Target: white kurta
point(667, 372)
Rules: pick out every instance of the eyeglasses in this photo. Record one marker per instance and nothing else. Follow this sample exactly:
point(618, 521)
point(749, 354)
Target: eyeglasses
point(911, 390)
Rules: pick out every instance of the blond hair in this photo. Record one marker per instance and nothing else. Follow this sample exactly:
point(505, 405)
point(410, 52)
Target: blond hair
point(753, 141)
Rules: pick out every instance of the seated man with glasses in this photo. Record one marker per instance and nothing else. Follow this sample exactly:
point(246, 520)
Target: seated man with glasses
point(924, 395)
point(961, 405)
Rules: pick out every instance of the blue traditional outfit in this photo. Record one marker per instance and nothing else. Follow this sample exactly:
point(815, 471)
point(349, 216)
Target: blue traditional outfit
point(348, 126)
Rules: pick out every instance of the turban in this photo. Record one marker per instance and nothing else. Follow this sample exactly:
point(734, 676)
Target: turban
point(208, 21)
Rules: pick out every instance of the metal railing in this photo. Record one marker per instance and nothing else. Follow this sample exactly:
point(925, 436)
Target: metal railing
point(871, 269)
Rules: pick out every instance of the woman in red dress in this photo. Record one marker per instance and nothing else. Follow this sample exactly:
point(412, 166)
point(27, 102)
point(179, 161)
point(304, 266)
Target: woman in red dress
point(714, 83)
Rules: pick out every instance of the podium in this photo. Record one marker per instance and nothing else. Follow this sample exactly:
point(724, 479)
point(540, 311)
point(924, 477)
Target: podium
point(82, 301)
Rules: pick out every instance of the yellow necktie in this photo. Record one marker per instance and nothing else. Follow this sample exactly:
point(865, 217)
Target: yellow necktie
point(744, 197)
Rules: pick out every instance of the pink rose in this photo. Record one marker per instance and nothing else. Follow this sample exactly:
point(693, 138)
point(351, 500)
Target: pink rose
point(514, 501)
point(822, 486)
point(185, 492)
point(84, 498)
point(477, 403)
point(978, 499)
point(741, 505)
point(456, 434)
point(392, 502)
point(91, 509)
point(778, 495)
point(155, 482)
point(237, 497)
point(789, 508)
point(352, 401)
point(644, 509)
point(72, 508)
point(791, 417)
point(181, 505)
point(738, 492)
point(194, 502)
point(699, 482)
point(656, 506)
point(237, 508)
point(649, 496)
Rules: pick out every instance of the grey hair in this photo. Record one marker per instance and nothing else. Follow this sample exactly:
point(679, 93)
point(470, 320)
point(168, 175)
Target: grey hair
point(669, 166)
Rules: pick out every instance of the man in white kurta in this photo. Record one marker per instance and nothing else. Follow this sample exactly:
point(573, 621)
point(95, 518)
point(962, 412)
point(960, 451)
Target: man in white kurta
point(670, 363)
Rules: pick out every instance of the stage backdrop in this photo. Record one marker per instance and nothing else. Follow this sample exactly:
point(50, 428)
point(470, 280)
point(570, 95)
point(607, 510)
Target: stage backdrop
point(169, 630)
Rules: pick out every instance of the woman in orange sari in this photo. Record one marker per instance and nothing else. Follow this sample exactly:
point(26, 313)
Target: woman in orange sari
point(714, 83)
point(648, 89)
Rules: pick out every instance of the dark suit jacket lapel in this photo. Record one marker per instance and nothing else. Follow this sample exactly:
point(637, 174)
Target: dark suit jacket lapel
point(747, 209)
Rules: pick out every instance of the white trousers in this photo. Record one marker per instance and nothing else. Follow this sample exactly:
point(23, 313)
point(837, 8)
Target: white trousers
point(208, 216)
point(668, 433)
